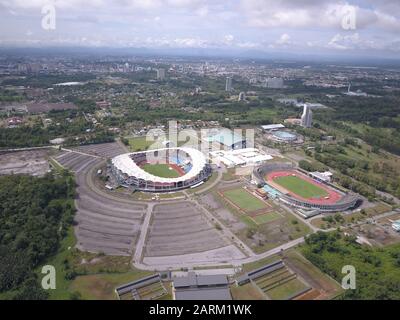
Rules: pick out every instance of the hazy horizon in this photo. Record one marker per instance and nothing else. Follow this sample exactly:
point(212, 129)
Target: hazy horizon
point(364, 28)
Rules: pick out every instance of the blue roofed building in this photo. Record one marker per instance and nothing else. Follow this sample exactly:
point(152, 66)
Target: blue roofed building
point(228, 139)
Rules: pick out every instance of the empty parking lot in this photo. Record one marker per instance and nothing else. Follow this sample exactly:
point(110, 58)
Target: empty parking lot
point(103, 224)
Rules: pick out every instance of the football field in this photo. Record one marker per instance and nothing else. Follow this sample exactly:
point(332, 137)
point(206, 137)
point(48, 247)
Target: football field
point(244, 199)
point(161, 170)
point(301, 187)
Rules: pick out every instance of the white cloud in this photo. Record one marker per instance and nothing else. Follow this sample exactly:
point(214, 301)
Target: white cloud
point(284, 39)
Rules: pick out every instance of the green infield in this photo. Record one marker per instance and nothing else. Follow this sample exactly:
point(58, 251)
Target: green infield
point(266, 217)
point(244, 199)
point(301, 187)
point(161, 170)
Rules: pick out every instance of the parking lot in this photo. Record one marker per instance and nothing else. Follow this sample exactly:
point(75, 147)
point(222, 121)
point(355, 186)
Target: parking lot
point(103, 224)
point(104, 150)
point(181, 228)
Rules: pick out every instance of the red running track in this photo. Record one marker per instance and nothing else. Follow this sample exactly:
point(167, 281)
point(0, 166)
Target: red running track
point(334, 196)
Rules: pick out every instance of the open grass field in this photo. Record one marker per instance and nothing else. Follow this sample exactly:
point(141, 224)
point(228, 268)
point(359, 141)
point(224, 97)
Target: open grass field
point(266, 217)
point(244, 199)
point(102, 286)
point(161, 170)
point(246, 292)
point(287, 289)
point(301, 187)
point(140, 144)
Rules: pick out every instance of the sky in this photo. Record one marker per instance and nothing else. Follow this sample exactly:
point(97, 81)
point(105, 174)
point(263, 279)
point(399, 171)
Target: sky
point(353, 27)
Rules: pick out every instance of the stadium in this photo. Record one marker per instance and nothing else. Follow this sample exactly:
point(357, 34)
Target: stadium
point(284, 136)
point(161, 170)
point(296, 188)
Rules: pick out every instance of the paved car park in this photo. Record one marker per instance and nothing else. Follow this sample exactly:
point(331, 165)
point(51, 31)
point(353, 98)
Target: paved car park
point(181, 228)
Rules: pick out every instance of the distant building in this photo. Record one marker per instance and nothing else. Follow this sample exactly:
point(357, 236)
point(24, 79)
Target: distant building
point(358, 93)
point(274, 83)
point(396, 226)
point(14, 121)
point(228, 139)
point(242, 96)
point(228, 84)
point(286, 101)
point(240, 157)
point(306, 118)
point(271, 127)
point(321, 176)
point(161, 74)
point(293, 121)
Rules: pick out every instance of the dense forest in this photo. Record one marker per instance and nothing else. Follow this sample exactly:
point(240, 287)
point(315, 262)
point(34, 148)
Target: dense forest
point(377, 270)
point(35, 213)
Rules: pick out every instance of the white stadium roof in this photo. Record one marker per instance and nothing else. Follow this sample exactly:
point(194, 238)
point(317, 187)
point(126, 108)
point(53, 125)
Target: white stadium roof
point(124, 163)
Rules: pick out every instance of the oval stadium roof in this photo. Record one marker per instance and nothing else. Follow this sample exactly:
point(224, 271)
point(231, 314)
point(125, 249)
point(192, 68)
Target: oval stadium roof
point(124, 163)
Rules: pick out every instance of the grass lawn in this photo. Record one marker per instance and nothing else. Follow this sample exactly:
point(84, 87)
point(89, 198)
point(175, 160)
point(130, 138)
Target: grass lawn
point(246, 292)
point(266, 217)
point(161, 170)
point(244, 199)
point(140, 144)
point(102, 286)
point(286, 290)
point(62, 285)
point(301, 187)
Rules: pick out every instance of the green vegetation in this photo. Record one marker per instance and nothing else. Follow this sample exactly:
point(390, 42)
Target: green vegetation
point(286, 290)
point(266, 217)
point(377, 269)
point(139, 143)
point(35, 214)
point(161, 170)
point(301, 187)
point(102, 286)
point(244, 199)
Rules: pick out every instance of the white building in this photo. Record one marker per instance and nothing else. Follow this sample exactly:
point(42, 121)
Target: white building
point(396, 225)
point(272, 127)
point(242, 96)
point(306, 118)
point(240, 157)
point(228, 84)
point(322, 176)
point(161, 74)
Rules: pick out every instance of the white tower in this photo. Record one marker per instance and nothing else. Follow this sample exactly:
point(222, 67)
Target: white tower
point(228, 84)
point(161, 74)
point(306, 117)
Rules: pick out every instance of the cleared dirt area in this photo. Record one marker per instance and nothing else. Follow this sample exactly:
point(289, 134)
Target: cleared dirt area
point(181, 228)
point(103, 224)
point(33, 162)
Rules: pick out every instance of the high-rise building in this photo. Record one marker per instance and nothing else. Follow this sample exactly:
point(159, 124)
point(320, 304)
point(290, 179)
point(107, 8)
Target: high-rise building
point(161, 74)
point(306, 117)
point(228, 84)
point(242, 96)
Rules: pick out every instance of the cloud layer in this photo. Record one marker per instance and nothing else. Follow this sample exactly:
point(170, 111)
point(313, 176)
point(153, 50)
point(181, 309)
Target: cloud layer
point(301, 25)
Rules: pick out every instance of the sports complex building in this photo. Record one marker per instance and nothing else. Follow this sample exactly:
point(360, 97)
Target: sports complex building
point(161, 170)
point(301, 190)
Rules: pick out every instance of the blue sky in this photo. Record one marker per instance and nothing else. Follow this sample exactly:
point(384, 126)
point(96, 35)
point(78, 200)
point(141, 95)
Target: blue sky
point(301, 26)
